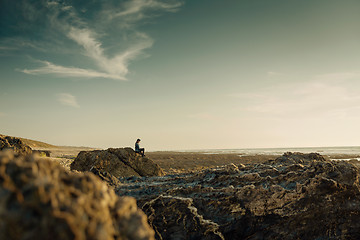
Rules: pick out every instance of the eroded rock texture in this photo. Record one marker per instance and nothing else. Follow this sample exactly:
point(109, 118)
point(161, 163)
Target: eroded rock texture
point(296, 196)
point(119, 162)
point(15, 144)
point(40, 200)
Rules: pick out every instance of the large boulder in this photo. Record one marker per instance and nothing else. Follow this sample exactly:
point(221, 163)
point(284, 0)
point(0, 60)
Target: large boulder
point(296, 196)
point(16, 144)
point(40, 200)
point(119, 162)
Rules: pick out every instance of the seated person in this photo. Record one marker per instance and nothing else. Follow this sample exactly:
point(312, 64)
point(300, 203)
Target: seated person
point(138, 149)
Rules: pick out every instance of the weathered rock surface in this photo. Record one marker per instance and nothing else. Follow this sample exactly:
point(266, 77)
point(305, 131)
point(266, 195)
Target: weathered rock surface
point(16, 144)
point(40, 200)
point(119, 162)
point(296, 196)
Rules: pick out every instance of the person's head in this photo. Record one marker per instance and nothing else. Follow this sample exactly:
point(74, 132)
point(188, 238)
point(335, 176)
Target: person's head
point(138, 140)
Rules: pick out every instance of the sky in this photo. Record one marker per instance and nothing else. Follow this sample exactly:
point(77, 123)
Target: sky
point(191, 74)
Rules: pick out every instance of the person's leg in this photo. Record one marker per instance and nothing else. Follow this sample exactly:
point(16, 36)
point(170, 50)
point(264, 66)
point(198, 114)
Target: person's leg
point(142, 151)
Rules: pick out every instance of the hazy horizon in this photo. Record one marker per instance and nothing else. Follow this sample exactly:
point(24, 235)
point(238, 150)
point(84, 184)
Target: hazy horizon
point(181, 75)
point(203, 149)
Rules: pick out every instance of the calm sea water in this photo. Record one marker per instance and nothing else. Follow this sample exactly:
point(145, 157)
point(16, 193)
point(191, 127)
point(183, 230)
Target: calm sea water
point(280, 151)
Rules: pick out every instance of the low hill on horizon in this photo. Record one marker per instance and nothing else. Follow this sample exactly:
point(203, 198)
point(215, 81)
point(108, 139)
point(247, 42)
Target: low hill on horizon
point(34, 143)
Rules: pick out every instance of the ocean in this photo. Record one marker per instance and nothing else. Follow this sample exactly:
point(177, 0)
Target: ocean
point(326, 151)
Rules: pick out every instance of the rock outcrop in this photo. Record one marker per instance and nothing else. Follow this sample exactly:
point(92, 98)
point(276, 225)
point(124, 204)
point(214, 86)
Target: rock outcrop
point(40, 200)
point(119, 162)
point(296, 196)
point(16, 144)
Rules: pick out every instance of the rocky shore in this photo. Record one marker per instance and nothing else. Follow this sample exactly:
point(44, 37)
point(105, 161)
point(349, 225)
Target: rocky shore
point(296, 196)
point(117, 194)
point(39, 199)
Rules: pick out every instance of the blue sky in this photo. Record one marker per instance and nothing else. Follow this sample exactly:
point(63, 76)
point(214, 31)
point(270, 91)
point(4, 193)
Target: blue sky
point(181, 74)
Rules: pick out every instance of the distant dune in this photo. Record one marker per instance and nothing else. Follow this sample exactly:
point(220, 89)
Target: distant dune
point(62, 154)
point(35, 144)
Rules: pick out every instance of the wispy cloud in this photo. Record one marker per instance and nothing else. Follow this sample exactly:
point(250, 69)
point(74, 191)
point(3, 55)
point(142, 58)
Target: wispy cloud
point(302, 99)
point(339, 76)
point(67, 100)
point(11, 46)
point(6, 48)
point(61, 71)
point(116, 66)
point(86, 35)
point(134, 10)
point(274, 74)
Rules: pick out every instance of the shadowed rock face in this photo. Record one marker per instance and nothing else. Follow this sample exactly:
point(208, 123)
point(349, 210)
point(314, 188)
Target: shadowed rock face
point(296, 196)
point(106, 177)
point(16, 144)
point(40, 200)
point(119, 162)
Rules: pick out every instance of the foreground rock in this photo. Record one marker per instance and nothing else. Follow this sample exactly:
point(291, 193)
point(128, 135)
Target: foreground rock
point(296, 196)
point(119, 162)
point(40, 200)
point(16, 144)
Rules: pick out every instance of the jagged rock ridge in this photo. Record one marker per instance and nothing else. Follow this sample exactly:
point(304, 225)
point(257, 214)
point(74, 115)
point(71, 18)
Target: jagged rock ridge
point(296, 196)
point(119, 162)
